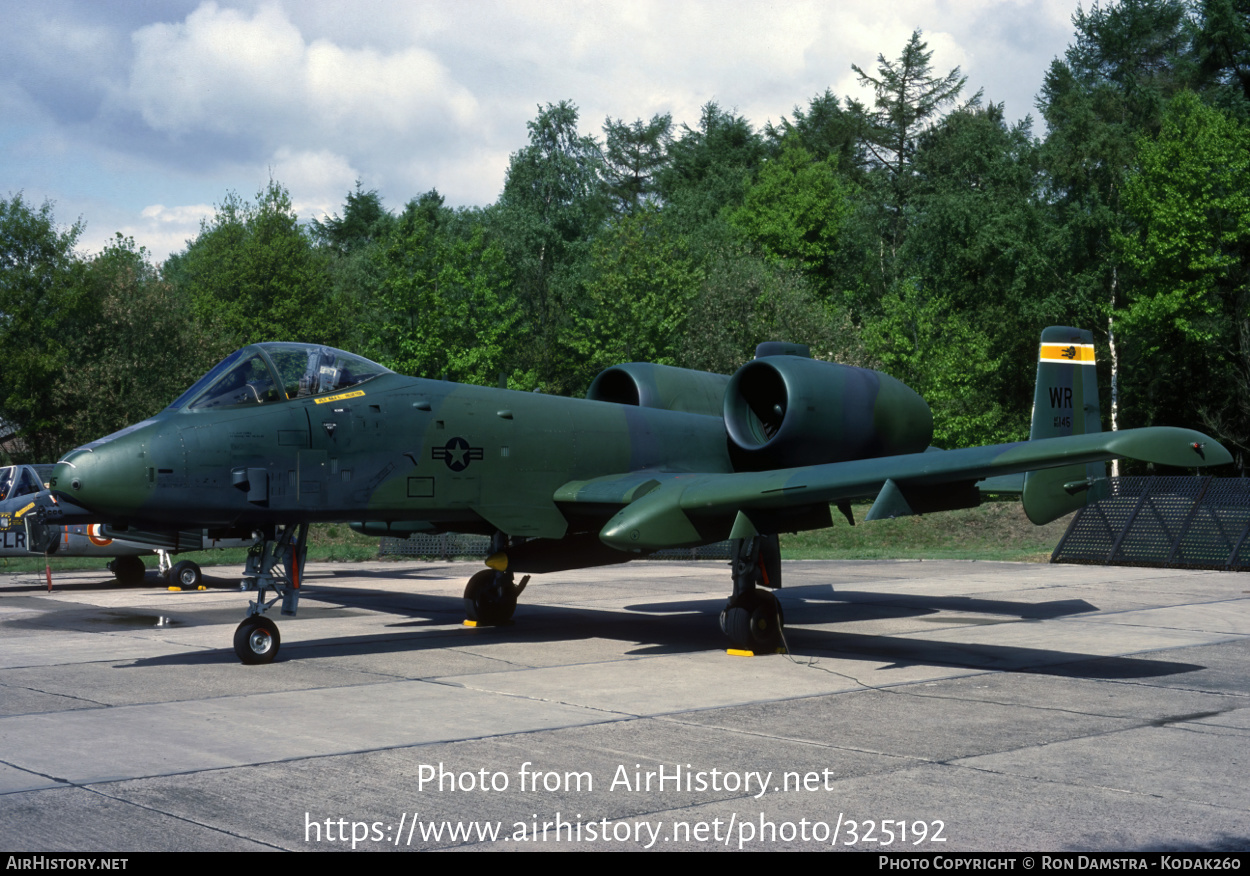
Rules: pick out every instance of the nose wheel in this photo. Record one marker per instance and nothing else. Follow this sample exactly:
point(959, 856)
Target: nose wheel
point(256, 640)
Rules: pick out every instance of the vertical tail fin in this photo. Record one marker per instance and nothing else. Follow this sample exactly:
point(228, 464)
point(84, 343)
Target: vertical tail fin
point(1065, 402)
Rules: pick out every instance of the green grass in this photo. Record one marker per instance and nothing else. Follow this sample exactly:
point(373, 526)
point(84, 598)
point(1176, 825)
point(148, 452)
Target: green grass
point(328, 542)
point(994, 531)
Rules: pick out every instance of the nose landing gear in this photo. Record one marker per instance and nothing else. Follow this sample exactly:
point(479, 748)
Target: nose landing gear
point(275, 562)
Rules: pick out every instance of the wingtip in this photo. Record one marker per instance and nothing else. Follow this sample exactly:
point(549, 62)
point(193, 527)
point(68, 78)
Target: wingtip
point(1167, 445)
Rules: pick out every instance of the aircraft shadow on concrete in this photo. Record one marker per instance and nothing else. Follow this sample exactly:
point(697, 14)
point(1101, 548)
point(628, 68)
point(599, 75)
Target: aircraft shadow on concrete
point(79, 584)
point(684, 627)
point(215, 578)
point(402, 571)
point(60, 585)
point(1222, 842)
point(857, 605)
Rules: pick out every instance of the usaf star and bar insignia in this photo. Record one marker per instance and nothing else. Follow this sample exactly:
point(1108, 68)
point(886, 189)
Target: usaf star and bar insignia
point(457, 453)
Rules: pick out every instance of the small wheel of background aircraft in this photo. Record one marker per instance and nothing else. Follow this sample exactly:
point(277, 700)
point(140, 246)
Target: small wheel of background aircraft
point(129, 571)
point(186, 574)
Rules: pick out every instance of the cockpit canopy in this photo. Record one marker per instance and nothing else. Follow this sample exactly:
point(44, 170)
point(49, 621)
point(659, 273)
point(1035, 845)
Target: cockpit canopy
point(272, 372)
point(18, 480)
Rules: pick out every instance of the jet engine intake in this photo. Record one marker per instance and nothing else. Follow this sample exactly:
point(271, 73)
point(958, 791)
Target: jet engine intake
point(660, 386)
point(786, 411)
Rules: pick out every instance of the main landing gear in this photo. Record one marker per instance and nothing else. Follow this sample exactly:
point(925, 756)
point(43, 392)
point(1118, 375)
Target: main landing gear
point(753, 617)
point(490, 597)
point(184, 574)
point(275, 562)
point(128, 571)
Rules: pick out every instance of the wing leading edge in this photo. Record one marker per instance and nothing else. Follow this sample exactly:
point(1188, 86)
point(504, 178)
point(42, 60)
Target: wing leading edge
point(665, 510)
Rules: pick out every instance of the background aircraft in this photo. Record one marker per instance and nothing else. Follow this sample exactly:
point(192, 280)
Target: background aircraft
point(279, 435)
point(22, 491)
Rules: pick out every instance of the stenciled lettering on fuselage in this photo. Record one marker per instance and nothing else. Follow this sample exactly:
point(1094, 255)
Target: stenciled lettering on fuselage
point(12, 537)
point(457, 453)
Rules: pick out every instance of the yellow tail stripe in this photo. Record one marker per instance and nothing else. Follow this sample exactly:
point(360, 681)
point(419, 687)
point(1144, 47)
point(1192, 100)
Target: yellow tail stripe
point(1080, 354)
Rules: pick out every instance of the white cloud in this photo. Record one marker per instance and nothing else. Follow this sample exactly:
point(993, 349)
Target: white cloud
point(159, 229)
point(189, 214)
point(116, 107)
point(317, 181)
point(257, 77)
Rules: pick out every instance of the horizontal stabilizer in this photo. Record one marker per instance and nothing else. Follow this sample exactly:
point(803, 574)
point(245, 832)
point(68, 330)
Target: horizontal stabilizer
point(1013, 484)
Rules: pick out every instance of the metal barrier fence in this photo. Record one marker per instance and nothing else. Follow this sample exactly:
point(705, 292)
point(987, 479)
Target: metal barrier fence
point(1172, 522)
point(450, 546)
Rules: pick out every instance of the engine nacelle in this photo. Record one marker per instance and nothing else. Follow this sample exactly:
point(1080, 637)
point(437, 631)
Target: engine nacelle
point(785, 411)
point(660, 386)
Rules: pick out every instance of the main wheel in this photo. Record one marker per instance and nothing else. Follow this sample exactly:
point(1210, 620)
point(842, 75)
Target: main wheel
point(490, 597)
point(256, 640)
point(754, 623)
point(186, 575)
point(128, 571)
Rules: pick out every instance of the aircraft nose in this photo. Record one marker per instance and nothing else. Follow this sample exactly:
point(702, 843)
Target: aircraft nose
point(66, 475)
point(106, 479)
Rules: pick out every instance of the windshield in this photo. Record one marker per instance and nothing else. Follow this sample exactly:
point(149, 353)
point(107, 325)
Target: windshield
point(271, 372)
point(18, 480)
point(248, 382)
point(207, 379)
point(305, 369)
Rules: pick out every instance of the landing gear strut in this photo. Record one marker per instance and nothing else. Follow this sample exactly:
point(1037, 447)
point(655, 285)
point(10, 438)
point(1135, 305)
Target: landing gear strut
point(753, 618)
point(275, 562)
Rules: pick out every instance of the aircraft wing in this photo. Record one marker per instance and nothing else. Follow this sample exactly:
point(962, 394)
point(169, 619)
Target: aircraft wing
point(665, 510)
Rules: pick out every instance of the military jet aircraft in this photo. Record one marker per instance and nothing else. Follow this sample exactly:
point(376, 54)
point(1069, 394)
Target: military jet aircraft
point(22, 491)
point(279, 435)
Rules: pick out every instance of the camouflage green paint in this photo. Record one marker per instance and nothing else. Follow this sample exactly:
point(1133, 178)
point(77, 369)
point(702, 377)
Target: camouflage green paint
point(404, 453)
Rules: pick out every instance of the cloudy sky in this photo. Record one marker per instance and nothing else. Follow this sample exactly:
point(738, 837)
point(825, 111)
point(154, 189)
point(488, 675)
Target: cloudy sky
point(138, 117)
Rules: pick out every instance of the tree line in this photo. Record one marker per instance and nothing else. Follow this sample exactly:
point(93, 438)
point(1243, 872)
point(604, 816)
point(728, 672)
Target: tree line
point(915, 231)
